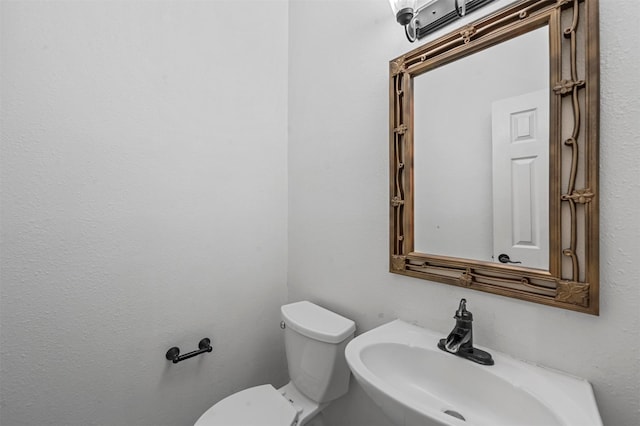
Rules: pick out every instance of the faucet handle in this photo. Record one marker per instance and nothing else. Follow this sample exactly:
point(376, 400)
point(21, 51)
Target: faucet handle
point(462, 307)
point(462, 312)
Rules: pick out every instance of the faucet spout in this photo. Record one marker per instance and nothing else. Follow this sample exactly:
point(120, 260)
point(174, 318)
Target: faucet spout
point(456, 339)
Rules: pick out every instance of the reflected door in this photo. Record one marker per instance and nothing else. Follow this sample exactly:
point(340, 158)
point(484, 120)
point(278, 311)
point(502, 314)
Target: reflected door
point(520, 144)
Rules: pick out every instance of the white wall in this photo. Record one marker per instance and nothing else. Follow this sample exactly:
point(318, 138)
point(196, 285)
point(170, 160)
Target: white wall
point(144, 188)
point(338, 207)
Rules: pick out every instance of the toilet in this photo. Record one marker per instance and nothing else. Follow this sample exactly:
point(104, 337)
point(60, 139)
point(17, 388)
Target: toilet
point(315, 339)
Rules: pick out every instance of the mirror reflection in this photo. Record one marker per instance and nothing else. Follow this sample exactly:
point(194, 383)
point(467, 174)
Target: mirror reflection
point(481, 163)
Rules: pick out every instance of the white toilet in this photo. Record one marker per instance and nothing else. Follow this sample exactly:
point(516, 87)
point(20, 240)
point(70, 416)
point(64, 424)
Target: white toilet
point(314, 339)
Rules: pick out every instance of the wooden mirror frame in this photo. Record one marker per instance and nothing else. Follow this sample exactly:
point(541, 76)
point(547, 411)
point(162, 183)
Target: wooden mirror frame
point(572, 281)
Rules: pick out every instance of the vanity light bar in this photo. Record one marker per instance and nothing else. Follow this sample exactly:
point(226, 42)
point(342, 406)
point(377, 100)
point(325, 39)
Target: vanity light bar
point(418, 21)
point(440, 13)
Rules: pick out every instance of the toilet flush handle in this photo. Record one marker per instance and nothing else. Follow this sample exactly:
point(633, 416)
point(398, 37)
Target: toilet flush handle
point(283, 325)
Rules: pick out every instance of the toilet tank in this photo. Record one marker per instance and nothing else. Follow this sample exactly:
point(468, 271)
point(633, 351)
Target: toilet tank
point(315, 339)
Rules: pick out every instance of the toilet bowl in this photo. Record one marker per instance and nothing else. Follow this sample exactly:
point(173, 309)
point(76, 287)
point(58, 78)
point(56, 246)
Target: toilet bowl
point(315, 339)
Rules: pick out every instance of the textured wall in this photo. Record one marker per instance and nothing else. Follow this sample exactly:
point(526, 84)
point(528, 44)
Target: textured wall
point(338, 204)
point(144, 197)
point(126, 156)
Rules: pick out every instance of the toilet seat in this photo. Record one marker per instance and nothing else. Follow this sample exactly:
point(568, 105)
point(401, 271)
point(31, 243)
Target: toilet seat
point(257, 406)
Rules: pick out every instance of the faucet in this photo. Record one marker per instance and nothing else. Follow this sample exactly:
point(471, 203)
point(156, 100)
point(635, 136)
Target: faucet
point(460, 341)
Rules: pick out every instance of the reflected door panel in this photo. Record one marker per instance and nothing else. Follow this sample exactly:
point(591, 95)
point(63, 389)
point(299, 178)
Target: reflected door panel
point(520, 139)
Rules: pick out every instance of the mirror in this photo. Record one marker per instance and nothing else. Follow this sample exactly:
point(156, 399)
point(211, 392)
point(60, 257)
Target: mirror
point(494, 148)
point(490, 128)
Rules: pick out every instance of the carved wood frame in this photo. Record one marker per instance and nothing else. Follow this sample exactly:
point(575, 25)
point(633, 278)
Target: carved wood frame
point(572, 281)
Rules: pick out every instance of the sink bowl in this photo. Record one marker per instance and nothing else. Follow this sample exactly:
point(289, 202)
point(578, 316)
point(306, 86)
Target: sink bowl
point(414, 383)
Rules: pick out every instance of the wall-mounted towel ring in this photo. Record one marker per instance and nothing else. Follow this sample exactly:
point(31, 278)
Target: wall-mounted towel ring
point(173, 354)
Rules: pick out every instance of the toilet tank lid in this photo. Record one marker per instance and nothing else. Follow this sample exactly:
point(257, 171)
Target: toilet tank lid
point(316, 322)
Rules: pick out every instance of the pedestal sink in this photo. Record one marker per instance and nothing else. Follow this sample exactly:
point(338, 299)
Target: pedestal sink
point(414, 383)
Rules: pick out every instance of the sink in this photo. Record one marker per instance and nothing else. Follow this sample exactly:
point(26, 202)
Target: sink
point(414, 383)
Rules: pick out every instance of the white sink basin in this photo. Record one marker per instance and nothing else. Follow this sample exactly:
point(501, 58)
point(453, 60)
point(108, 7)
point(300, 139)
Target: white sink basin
point(414, 383)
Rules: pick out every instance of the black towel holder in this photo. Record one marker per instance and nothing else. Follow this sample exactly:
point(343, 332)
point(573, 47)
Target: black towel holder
point(173, 354)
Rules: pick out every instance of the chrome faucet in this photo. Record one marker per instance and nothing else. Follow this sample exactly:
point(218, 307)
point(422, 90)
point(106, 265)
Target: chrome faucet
point(460, 340)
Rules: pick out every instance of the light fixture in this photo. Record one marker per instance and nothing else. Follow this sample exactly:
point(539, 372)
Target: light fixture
point(404, 10)
point(419, 18)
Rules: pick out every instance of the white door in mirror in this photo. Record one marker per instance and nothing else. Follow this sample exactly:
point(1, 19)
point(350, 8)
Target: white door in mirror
point(520, 140)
